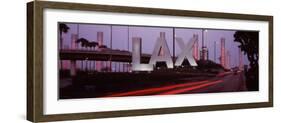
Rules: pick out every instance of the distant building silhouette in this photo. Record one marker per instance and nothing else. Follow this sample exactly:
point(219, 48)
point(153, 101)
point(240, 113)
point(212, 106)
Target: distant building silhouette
point(74, 46)
point(222, 58)
point(195, 49)
point(240, 59)
point(99, 64)
point(204, 53)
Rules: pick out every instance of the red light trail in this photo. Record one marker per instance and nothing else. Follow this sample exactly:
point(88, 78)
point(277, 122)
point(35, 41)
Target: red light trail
point(169, 89)
point(191, 88)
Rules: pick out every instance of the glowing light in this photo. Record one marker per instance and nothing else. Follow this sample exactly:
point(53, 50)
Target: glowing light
point(155, 90)
point(191, 88)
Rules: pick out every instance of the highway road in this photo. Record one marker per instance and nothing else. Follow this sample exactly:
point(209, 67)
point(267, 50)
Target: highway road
point(223, 82)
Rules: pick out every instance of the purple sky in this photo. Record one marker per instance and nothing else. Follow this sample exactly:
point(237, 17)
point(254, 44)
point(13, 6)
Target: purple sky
point(150, 34)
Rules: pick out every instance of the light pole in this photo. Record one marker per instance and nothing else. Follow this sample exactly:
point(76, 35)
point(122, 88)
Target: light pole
point(204, 50)
point(215, 51)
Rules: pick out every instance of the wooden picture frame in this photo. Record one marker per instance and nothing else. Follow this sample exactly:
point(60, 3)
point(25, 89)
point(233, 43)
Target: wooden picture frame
point(35, 60)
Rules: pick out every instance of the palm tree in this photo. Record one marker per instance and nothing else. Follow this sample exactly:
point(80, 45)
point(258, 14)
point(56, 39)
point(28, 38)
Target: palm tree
point(63, 28)
point(83, 42)
point(86, 43)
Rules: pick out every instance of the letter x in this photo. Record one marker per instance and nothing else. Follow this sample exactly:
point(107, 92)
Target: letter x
point(186, 51)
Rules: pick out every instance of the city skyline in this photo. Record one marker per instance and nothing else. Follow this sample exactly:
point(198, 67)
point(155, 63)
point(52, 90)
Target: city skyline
point(123, 60)
point(150, 34)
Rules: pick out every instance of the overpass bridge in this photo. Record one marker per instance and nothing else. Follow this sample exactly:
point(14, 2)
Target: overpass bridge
point(100, 55)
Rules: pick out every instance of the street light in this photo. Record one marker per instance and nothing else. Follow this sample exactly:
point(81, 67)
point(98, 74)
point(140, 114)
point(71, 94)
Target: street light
point(204, 50)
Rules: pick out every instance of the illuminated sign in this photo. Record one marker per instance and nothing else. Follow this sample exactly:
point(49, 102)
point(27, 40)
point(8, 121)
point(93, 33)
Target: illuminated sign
point(162, 46)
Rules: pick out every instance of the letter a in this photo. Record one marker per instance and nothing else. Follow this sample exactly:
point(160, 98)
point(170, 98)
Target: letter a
point(161, 43)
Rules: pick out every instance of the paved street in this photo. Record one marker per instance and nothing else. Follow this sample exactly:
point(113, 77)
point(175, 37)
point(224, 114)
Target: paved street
point(224, 82)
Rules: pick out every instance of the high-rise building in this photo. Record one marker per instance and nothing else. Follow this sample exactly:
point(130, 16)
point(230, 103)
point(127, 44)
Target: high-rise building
point(215, 51)
point(222, 58)
point(195, 48)
point(204, 53)
point(240, 60)
point(74, 38)
point(227, 60)
point(99, 64)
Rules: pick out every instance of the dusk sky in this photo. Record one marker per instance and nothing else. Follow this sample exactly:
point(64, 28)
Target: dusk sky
point(150, 34)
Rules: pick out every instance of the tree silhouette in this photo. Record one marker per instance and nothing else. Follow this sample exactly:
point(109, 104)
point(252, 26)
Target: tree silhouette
point(63, 28)
point(249, 45)
point(86, 43)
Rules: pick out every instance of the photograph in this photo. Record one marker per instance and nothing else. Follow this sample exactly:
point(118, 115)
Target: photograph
point(98, 60)
point(90, 61)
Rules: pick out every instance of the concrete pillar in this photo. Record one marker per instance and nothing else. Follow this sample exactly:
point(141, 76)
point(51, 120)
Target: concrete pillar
point(99, 64)
point(137, 49)
point(222, 59)
point(74, 37)
point(195, 48)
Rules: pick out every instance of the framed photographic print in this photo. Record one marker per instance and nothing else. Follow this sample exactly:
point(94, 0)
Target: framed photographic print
point(96, 61)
